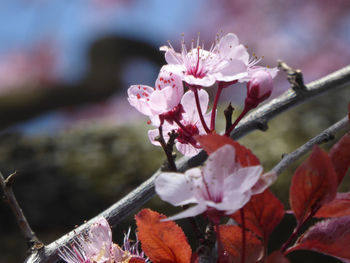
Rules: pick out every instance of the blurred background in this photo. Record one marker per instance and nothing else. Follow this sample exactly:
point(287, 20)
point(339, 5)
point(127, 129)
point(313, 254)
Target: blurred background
point(78, 146)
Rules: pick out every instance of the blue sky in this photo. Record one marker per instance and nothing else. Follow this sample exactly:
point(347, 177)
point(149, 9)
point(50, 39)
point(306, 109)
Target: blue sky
point(73, 25)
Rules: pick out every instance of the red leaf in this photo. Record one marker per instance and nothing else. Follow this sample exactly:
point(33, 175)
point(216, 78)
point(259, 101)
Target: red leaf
point(314, 183)
point(162, 241)
point(212, 142)
point(231, 240)
point(262, 214)
point(331, 237)
point(340, 156)
point(277, 257)
point(340, 206)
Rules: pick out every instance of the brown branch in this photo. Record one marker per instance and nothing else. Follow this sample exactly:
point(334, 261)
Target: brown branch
point(34, 244)
point(255, 120)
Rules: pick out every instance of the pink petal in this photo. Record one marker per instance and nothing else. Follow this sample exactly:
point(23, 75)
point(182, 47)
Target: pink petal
point(168, 77)
point(235, 70)
point(190, 212)
point(231, 203)
point(171, 57)
point(138, 99)
point(99, 242)
point(189, 104)
point(220, 165)
point(175, 188)
point(187, 149)
point(243, 179)
point(152, 134)
point(164, 100)
point(207, 81)
point(264, 182)
point(229, 48)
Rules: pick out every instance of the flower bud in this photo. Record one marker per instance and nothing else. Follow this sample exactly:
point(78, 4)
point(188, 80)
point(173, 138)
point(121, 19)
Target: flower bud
point(259, 88)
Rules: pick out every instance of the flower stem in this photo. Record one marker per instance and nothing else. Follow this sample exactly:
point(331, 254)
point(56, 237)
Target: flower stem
point(200, 111)
point(244, 112)
point(216, 100)
point(243, 235)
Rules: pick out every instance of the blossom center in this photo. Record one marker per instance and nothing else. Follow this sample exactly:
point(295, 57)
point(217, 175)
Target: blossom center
point(196, 69)
point(187, 136)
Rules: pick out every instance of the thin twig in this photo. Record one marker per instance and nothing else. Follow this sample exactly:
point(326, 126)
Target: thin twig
point(34, 244)
point(323, 137)
point(255, 120)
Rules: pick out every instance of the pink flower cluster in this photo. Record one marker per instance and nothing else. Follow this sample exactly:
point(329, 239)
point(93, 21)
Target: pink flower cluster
point(98, 247)
point(167, 104)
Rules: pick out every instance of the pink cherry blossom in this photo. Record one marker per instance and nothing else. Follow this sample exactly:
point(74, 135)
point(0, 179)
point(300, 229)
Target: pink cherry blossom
point(186, 144)
point(164, 97)
point(222, 185)
point(97, 247)
point(226, 61)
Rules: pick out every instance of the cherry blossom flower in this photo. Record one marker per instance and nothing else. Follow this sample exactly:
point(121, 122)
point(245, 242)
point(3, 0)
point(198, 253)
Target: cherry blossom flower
point(190, 124)
point(97, 247)
point(164, 97)
point(226, 61)
point(221, 186)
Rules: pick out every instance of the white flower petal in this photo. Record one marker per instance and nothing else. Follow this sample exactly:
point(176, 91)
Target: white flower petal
point(189, 104)
point(187, 149)
point(220, 165)
point(190, 212)
point(264, 182)
point(243, 179)
point(175, 188)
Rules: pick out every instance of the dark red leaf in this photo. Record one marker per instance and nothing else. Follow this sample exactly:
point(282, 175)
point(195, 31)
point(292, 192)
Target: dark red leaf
point(262, 214)
point(340, 156)
point(338, 207)
point(314, 183)
point(162, 241)
point(231, 240)
point(331, 237)
point(212, 142)
point(276, 257)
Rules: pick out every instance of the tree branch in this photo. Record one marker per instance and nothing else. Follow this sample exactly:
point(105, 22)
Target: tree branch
point(32, 241)
point(323, 137)
point(256, 120)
